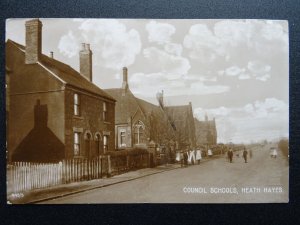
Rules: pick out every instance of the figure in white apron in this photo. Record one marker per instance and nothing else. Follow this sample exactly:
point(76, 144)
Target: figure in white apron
point(191, 156)
point(198, 155)
point(209, 153)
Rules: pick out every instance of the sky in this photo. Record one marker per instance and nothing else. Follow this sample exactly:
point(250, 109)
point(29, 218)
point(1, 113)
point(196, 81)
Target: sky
point(236, 71)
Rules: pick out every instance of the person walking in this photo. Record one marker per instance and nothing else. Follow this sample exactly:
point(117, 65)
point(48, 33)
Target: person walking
point(245, 153)
point(185, 158)
point(181, 158)
point(230, 155)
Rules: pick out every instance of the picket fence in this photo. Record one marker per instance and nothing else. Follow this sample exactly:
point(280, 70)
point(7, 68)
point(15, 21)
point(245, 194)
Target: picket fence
point(22, 176)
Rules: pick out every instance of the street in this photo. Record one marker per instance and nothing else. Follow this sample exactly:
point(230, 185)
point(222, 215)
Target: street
point(263, 179)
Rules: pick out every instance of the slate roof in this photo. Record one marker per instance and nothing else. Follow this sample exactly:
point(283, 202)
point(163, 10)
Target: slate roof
point(127, 105)
point(65, 72)
point(178, 113)
point(148, 107)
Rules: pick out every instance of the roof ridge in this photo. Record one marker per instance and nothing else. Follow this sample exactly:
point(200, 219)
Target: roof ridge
point(65, 73)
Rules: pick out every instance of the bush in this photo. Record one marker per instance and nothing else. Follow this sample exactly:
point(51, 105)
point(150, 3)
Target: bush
point(125, 152)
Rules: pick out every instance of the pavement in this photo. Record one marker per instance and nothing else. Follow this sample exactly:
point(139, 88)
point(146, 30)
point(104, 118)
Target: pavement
point(59, 191)
point(262, 180)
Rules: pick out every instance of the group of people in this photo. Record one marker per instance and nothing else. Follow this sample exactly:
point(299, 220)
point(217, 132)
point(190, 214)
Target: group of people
point(186, 157)
point(189, 157)
point(245, 155)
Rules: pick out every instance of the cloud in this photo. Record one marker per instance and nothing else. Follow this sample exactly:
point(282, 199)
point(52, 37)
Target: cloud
point(173, 48)
point(258, 67)
point(259, 70)
point(263, 77)
point(159, 33)
point(249, 108)
point(273, 31)
point(112, 44)
point(147, 85)
point(234, 71)
point(255, 69)
point(68, 45)
point(171, 65)
point(267, 119)
point(271, 105)
point(199, 88)
point(234, 33)
point(244, 76)
point(198, 77)
point(202, 43)
point(227, 41)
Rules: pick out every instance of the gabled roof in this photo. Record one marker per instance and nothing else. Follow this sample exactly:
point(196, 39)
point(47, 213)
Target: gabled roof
point(148, 107)
point(178, 112)
point(64, 73)
point(126, 106)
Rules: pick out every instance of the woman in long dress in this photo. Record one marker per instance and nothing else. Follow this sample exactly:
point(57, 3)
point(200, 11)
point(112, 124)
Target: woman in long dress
point(198, 155)
point(209, 153)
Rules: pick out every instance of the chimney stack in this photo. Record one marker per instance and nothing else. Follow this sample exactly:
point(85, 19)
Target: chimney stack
point(85, 61)
point(33, 46)
point(125, 79)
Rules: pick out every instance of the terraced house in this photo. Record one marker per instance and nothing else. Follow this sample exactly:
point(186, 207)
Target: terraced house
point(54, 112)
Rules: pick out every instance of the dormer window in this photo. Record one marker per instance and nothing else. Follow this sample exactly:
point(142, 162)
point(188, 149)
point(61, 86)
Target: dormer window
point(76, 105)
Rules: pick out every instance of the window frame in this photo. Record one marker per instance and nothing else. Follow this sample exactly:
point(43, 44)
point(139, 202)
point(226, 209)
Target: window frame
point(138, 132)
point(77, 144)
point(76, 104)
point(104, 113)
point(123, 138)
point(105, 143)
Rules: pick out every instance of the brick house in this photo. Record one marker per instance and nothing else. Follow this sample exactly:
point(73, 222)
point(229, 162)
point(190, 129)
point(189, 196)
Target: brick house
point(206, 131)
point(137, 122)
point(54, 111)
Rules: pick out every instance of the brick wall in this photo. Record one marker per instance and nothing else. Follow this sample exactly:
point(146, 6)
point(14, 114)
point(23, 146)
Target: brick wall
point(89, 122)
point(27, 85)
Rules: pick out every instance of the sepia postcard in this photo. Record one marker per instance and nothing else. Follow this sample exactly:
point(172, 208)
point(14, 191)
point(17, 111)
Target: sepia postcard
point(147, 111)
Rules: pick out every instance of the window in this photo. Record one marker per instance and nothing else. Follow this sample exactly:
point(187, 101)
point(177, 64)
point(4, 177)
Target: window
point(76, 144)
point(122, 138)
point(139, 132)
point(76, 105)
point(105, 143)
point(104, 111)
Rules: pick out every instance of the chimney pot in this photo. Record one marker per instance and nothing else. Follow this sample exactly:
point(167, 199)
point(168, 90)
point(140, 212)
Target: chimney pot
point(82, 46)
point(125, 79)
point(87, 47)
point(51, 55)
point(125, 74)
